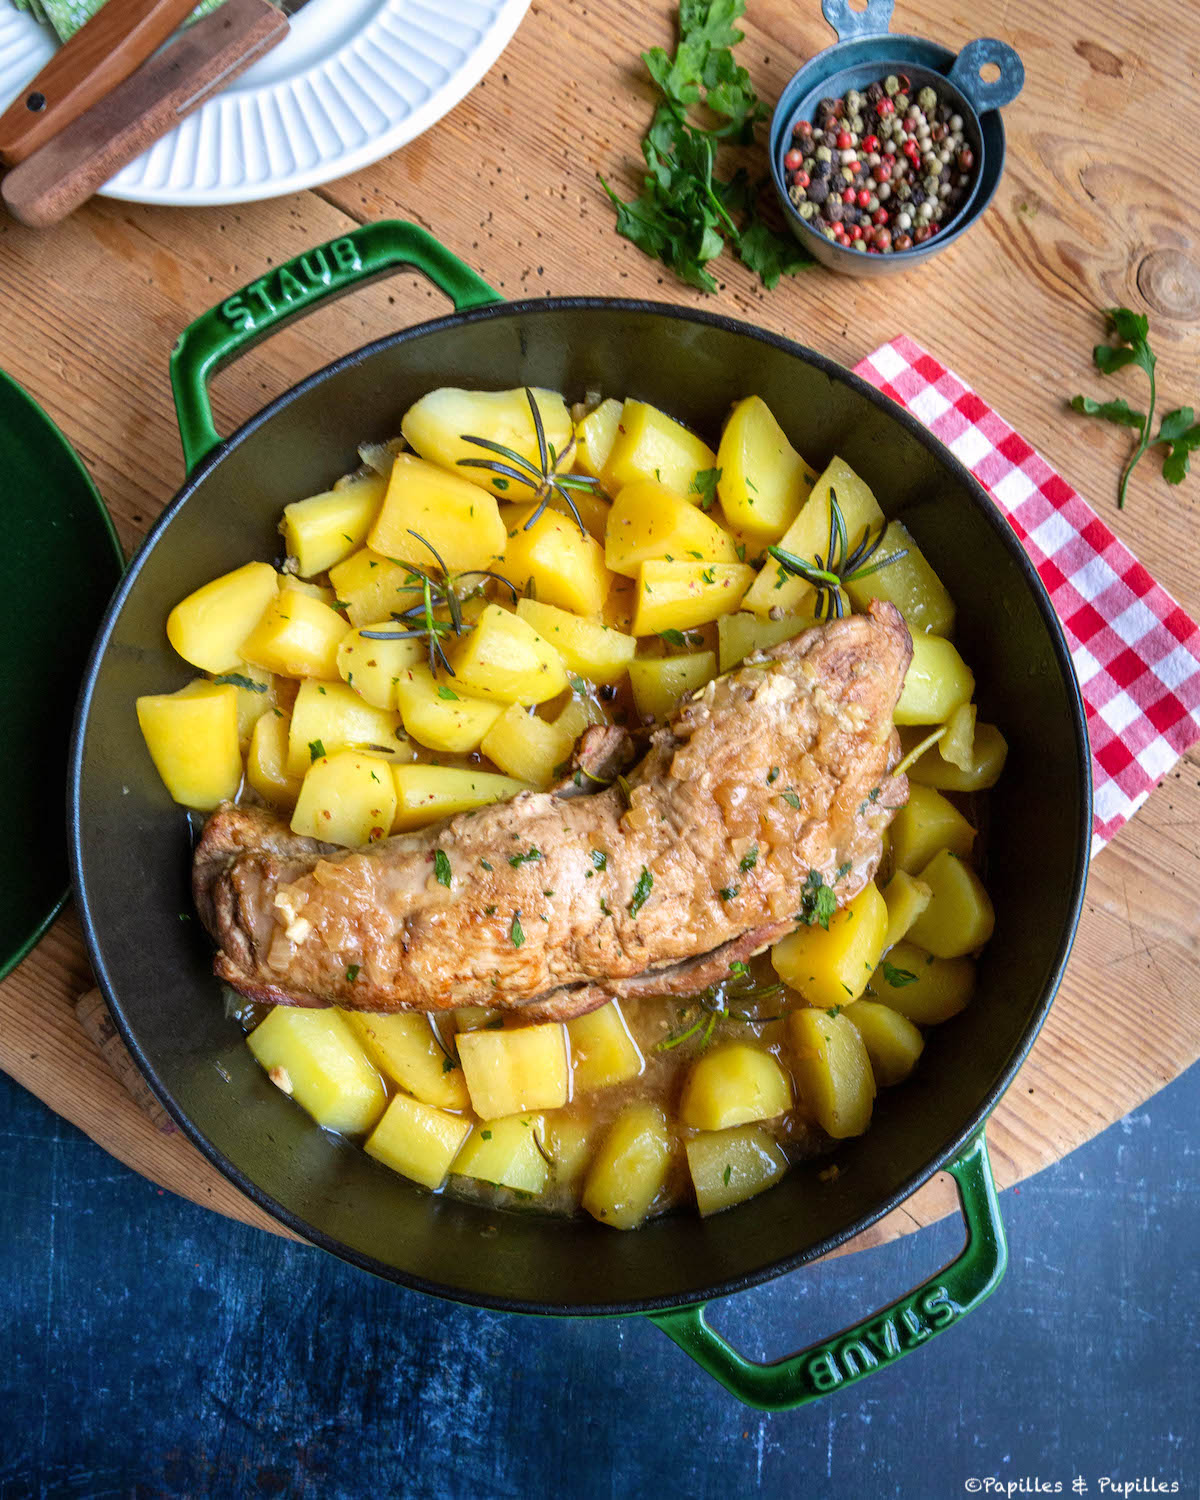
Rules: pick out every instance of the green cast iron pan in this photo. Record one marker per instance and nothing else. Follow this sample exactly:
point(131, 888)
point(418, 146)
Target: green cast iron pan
point(59, 564)
point(131, 844)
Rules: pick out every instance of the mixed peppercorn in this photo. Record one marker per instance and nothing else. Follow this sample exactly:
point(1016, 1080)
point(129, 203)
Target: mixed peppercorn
point(880, 170)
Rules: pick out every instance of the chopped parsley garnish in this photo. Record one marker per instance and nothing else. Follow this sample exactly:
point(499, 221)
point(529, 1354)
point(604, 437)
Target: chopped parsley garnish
point(516, 931)
point(448, 1065)
point(791, 799)
point(709, 575)
point(872, 796)
point(605, 908)
point(675, 637)
point(738, 970)
point(641, 891)
point(748, 860)
point(236, 679)
point(705, 484)
point(352, 973)
point(897, 978)
point(728, 892)
point(772, 775)
point(486, 866)
point(524, 859)
point(599, 858)
point(577, 684)
point(447, 693)
point(441, 867)
point(843, 870)
point(316, 750)
point(727, 1174)
point(485, 1135)
point(817, 901)
point(489, 911)
point(834, 1010)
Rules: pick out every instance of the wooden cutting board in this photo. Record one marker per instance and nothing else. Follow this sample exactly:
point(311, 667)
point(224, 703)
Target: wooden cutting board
point(1090, 213)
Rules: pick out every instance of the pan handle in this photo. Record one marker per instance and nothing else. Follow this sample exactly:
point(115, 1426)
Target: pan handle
point(288, 292)
point(875, 20)
point(878, 1340)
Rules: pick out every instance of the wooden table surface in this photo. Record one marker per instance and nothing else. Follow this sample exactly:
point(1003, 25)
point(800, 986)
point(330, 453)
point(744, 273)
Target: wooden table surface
point(1096, 208)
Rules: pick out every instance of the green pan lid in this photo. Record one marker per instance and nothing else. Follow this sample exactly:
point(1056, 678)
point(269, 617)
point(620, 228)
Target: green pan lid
point(59, 562)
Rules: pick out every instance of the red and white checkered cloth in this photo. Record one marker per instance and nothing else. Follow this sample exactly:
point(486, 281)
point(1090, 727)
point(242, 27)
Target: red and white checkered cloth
point(1136, 653)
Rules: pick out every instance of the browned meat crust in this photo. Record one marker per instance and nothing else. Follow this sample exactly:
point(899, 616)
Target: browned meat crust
point(558, 903)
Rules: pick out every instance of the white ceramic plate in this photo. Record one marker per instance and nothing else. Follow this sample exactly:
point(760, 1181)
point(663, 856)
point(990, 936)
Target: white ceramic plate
point(354, 81)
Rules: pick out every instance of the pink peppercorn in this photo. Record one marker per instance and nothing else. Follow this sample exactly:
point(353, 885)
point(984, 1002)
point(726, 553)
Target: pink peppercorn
point(793, 160)
point(849, 195)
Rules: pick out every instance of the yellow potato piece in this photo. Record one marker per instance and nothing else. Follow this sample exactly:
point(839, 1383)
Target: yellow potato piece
point(909, 583)
point(438, 714)
point(405, 1050)
point(372, 587)
point(298, 636)
point(893, 1043)
point(764, 481)
point(577, 715)
point(922, 988)
point(925, 824)
point(603, 1052)
point(734, 1084)
point(472, 1017)
point(630, 1167)
point(651, 445)
point(209, 626)
point(504, 658)
point(741, 634)
point(588, 647)
point(425, 794)
point(568, 1141)
point(808, 537)
point(329, 716)
point(594, 437)
point(255, 689)
point(906, 898)
point(960, 917)
point(958, 743)
point(192, 737)
point(729, 1166)
point(290, 584)
point(649, 521)
point(266, 764)
point(313, 1056)
point(832, 1071)
point(660, 683)
point(988, 753)
point(832, 966)
point(938, 681)
point(447, 511)
point(681, 595)
point(509, 1072)
point(593, 511)
point(417, 1140)
point(526, 747)
point(553, 560)
point(373, 668)
point(436, 425)
point(505, 1152)
point(324, 529)
point(346, 798)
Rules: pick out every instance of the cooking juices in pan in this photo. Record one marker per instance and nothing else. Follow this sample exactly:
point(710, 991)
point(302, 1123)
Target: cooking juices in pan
point(448, 620)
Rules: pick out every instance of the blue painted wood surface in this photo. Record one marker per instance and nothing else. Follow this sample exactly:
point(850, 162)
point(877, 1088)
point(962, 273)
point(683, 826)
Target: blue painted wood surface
point(149, 1347)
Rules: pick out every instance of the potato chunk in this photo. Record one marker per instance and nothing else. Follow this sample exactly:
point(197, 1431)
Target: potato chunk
point(438, 714)
point(649, 521)
point(960, 917)
point(372, 668)
point(988, 753)
point(417, 1140)
point(682, 595)
point(298, 636)
point(209, 626)
point(925, 989)
point(192, 737)
point(651, 445)
point(630, 1167)
point(740, 634)
point(926, 823)
point(505, 1152)
point(906, 898)
point(438, 423)
point(832, 1070)
point(404, 1049)
point(324, 529)
point(660, 683)
point(909, 583)
point(734, 1084)
point(729, 1166)
point(526, 747)
point(589, 647)
point(764, 481)
point(506, 659)
point(553, 559)
point(329, 716)
point(568, 1141)
point(315, 1057)
point(255, 689)
point(938, 682)
point(509, 1072)
point(347, 798)
point(447, 511)
point(893, 1043)
point(426, 793)
point(372, 587)
point(832, 966)
point(602, 1050)
point(266, 764)
point(595, 435)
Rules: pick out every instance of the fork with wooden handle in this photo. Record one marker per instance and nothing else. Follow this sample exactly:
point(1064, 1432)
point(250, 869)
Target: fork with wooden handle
point(55, 180)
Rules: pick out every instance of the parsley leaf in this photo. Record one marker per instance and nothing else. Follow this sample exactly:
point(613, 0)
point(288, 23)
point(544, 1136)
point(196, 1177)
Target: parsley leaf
point(727, 1174)
point(791, 799)
point(772, 775)
point(516, 932)
point(641, 891)
point(748, 860)
point(525, 859)
point(352, 973)
point(238, 679)
point(316, 750)
point(678, 638)
point(728, 892)
point(441, 867)
point(817, 901)
point(1182, 433)
point(897, 978)
point(599, 858)
point(704, 483)
point(447, 693)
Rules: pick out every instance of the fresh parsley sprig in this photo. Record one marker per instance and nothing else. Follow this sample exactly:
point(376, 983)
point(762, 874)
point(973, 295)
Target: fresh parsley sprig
point(1178, 432)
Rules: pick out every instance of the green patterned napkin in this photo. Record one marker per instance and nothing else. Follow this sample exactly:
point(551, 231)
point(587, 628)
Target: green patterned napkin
point(67, 16)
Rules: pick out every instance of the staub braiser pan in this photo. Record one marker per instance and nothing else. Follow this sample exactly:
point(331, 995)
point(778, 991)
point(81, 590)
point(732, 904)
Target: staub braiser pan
point(131, 844)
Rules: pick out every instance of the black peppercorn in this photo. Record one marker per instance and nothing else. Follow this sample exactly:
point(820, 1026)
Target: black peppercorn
point(826, 109)
point(822, 169)
point(608, 692)
point(874, 93)
point(835, 211)
point(818, 189)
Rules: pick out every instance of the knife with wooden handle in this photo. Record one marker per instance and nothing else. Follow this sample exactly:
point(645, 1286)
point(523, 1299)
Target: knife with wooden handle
point(53, 182)
point(103, 53)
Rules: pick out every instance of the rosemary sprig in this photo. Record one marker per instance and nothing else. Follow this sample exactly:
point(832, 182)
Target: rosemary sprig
point(840, 565)
point(542, 478)
point(712, 1005)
